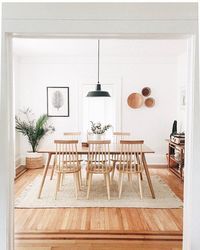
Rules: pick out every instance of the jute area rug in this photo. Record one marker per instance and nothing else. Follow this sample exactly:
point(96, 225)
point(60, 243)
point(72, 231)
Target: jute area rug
point(130, 197)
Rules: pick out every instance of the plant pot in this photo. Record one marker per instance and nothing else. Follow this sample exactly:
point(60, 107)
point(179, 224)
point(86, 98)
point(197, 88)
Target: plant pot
point(34, 160)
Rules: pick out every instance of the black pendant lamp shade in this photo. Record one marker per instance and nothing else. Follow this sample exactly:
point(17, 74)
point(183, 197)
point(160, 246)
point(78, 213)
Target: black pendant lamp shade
point(98, 92)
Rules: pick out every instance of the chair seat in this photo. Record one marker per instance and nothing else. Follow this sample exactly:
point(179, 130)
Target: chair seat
point(98, 168)
point(69, 168)
point(129, 168)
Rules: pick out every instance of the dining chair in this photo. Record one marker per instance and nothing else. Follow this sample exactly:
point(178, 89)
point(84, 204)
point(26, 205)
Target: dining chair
point(99, 163)
point(117, 136)
point(130, 162)
point(67, 162)
point(73, 135)
point(70, 136)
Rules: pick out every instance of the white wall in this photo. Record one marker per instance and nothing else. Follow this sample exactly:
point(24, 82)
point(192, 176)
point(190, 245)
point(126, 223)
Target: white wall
point(153, 125)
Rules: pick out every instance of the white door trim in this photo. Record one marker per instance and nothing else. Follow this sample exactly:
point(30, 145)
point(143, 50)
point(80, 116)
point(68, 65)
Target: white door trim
point(150, 27)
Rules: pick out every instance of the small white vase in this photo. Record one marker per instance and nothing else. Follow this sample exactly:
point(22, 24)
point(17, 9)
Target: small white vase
point(99, 137)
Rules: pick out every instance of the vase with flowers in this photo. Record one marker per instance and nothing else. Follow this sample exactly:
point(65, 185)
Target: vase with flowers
point(99, 130)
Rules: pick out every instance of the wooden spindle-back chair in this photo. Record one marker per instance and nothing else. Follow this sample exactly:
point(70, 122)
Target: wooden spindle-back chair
point(117, 136)
point(67, 162)
point(130, 162)
point(70, 136)
point(99, 162)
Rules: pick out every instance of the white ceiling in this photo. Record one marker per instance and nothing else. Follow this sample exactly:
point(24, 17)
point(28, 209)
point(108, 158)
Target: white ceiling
point(88, 47)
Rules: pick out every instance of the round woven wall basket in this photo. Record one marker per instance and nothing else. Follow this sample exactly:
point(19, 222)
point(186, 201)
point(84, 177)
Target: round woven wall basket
point(146, 91)
point(135, 100)
point(149, 102)
point(33, 162)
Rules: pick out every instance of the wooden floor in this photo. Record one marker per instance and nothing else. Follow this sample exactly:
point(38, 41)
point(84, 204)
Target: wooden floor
point(99, 228)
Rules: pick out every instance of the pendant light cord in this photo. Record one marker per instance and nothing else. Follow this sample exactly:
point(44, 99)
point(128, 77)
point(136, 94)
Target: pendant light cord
point(98, 58)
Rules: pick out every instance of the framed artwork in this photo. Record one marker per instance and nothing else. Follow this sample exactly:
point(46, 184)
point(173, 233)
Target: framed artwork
point(58, 101)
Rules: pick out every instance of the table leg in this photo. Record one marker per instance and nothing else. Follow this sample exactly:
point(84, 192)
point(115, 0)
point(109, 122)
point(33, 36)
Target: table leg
point(148, 175)
point(44, 174)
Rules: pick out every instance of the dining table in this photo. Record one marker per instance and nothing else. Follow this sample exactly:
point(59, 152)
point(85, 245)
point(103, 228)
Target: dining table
point(84, 150)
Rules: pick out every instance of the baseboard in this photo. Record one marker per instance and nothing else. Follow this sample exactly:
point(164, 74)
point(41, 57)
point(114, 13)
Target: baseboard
point(20, 170)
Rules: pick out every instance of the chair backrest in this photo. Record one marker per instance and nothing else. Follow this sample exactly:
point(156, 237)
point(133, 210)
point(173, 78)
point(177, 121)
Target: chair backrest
point(130, 158)
point(99, 154)
point(120, 136)
point(72, 135)
point(66, 154)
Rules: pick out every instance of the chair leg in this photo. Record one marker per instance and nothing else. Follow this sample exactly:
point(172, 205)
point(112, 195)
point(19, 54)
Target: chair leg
point(119, 179)
point(131, 180)
point(108, 185)
point(120, 184)
point(75, 185)
point(140, 186)
point(89, 184)
point(53, 168)
point(113, 172)
point(87, 177)
point(78, 180)
point(141, 177)
point(57, 185)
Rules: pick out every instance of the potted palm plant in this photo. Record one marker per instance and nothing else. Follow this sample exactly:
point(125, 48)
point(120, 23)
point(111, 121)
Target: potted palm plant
point(34, 131)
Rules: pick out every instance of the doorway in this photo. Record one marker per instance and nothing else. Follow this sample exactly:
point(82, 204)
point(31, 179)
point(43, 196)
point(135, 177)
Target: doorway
point(178, 236)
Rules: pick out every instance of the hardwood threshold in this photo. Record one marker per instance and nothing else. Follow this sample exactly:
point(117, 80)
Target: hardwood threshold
point(100, 235)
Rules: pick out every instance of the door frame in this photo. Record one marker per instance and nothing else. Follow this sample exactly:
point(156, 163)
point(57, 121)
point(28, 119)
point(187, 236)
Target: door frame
point(116, 83)
point(20, 28)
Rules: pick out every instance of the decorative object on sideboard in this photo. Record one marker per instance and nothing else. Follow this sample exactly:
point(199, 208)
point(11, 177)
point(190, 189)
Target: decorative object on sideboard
point(135, 100)
point(149, 102)
point(174, 131)
point(178, 138)
point(58, 101)
point(146, 91)
point(98, 92)
point(34, 131)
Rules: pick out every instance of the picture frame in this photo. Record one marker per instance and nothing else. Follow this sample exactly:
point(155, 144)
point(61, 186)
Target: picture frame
point(58, 101)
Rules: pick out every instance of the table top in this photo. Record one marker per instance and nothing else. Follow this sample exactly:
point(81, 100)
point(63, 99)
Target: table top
point(114, 149)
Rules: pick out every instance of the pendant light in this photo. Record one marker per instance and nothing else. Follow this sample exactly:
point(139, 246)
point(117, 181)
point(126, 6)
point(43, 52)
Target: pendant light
point(98, 92)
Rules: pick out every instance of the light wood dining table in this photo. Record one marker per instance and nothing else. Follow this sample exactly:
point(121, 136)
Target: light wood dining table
point(114, 149)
